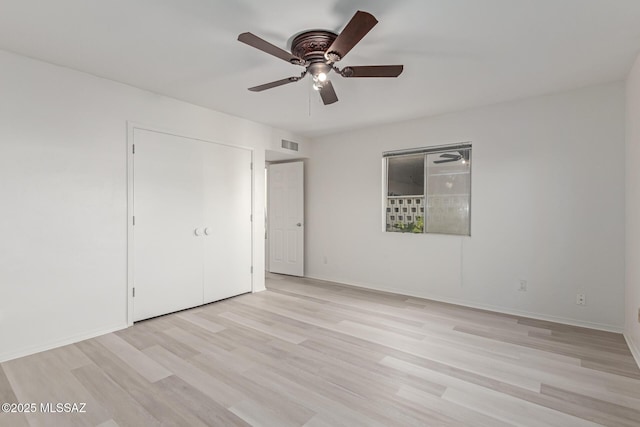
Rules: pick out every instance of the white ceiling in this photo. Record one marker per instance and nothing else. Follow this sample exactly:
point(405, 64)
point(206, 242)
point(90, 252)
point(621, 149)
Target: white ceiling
point(457, 53)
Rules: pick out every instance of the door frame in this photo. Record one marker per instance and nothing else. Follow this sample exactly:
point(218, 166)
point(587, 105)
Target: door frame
point(131, 127)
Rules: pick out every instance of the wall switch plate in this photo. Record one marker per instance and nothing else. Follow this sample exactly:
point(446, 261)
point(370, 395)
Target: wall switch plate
point(581, 299)
point(522, 285)
point(325, 260)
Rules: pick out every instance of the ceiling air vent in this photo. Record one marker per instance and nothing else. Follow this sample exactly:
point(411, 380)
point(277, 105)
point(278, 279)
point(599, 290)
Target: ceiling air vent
point(289, 145)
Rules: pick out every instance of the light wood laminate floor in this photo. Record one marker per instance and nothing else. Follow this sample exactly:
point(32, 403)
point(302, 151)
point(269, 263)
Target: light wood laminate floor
point(320, 354)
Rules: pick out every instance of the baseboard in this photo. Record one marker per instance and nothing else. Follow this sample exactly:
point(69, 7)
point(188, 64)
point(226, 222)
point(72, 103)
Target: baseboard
point(5, 357)
point(474, 304)
point(634, 347)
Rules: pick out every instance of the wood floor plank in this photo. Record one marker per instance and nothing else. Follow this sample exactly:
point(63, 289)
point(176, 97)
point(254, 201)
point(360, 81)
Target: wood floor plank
point(6, 391)
point(145, 335)
point(627, 368)
point(124, 410)
point(612, 413)
point(200, 321)
point(197, 407)
point(8, 396)
point(567, 349)
point(315, 353)
point(227, 358)
point(328, 410)
point(139, 388)
point(219, 391)
point(140, 337)
point(386, 410)
point(257, 414)
point(45, 378)
point(460, 413)
point(512, 410)
point(254, 392)
point(589, 413)
point(108, 423)
point(133, 357)
point(473, 362)
point(267, 329)
point(455, 380)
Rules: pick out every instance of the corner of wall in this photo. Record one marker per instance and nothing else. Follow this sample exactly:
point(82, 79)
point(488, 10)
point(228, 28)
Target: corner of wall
point(58, 342)
point(632, 210)
point(634, 347)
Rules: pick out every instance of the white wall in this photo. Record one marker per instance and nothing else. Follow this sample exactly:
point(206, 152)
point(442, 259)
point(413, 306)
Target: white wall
point(547, 206)
point(63, 186)
point(632, 297)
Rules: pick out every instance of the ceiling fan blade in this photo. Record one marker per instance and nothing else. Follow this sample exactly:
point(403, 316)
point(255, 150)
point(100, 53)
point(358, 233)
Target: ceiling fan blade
point(464, 154)
point(328, 94)
point(372, 71)
point(274, 84)
point(445, 161)
point(451, 156)
point(356, 29)
point(263, 45)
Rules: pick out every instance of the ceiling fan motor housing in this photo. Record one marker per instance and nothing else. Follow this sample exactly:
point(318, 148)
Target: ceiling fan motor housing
point(312, 45)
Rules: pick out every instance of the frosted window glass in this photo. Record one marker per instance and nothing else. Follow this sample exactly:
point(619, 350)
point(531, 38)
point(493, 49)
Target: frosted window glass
point(448, 193)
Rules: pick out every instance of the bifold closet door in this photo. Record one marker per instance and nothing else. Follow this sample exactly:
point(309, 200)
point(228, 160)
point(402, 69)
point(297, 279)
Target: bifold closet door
point(168, 207)
point(227, 212)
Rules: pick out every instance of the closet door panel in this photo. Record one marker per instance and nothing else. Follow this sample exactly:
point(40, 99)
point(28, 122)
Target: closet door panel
point(168, 207)
point(227, 209)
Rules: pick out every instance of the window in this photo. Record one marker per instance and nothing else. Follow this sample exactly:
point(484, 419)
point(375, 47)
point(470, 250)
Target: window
point(428, 190)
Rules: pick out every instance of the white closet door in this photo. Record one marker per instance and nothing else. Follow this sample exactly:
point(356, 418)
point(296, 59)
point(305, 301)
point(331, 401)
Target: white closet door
point(286, 218)
point(168, 207)
point(227, 207)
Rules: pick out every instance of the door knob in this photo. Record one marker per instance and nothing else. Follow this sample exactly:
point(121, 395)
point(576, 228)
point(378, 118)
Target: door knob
point(198, 231)
point(299, 224)
point(207, 231)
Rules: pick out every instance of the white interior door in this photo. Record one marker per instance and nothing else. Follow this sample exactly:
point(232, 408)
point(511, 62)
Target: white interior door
point(168, 207)
point(286, 218)
point(227, 213)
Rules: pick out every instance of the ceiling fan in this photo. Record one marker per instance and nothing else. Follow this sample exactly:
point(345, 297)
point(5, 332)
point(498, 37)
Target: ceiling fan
point(449, 157)
point(318, 51)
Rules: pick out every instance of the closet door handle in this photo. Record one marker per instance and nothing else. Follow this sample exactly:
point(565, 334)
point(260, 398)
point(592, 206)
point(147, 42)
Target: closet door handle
point(207, 231)
point(198, 231)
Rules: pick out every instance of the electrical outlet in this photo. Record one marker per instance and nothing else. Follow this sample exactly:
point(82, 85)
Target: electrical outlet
point(523, 285)
point(581, 299)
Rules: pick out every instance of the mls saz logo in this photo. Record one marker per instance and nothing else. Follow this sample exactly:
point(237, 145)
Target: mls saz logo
point(68, 408)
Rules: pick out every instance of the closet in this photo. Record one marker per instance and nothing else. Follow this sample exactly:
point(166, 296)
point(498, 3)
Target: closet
point(192, 222)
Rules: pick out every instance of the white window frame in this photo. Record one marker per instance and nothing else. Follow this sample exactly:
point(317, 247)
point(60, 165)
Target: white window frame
point(424, 151)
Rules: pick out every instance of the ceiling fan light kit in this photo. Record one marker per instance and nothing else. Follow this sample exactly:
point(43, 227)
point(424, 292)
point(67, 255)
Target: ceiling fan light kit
point(463, 156)
point(318, 51)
